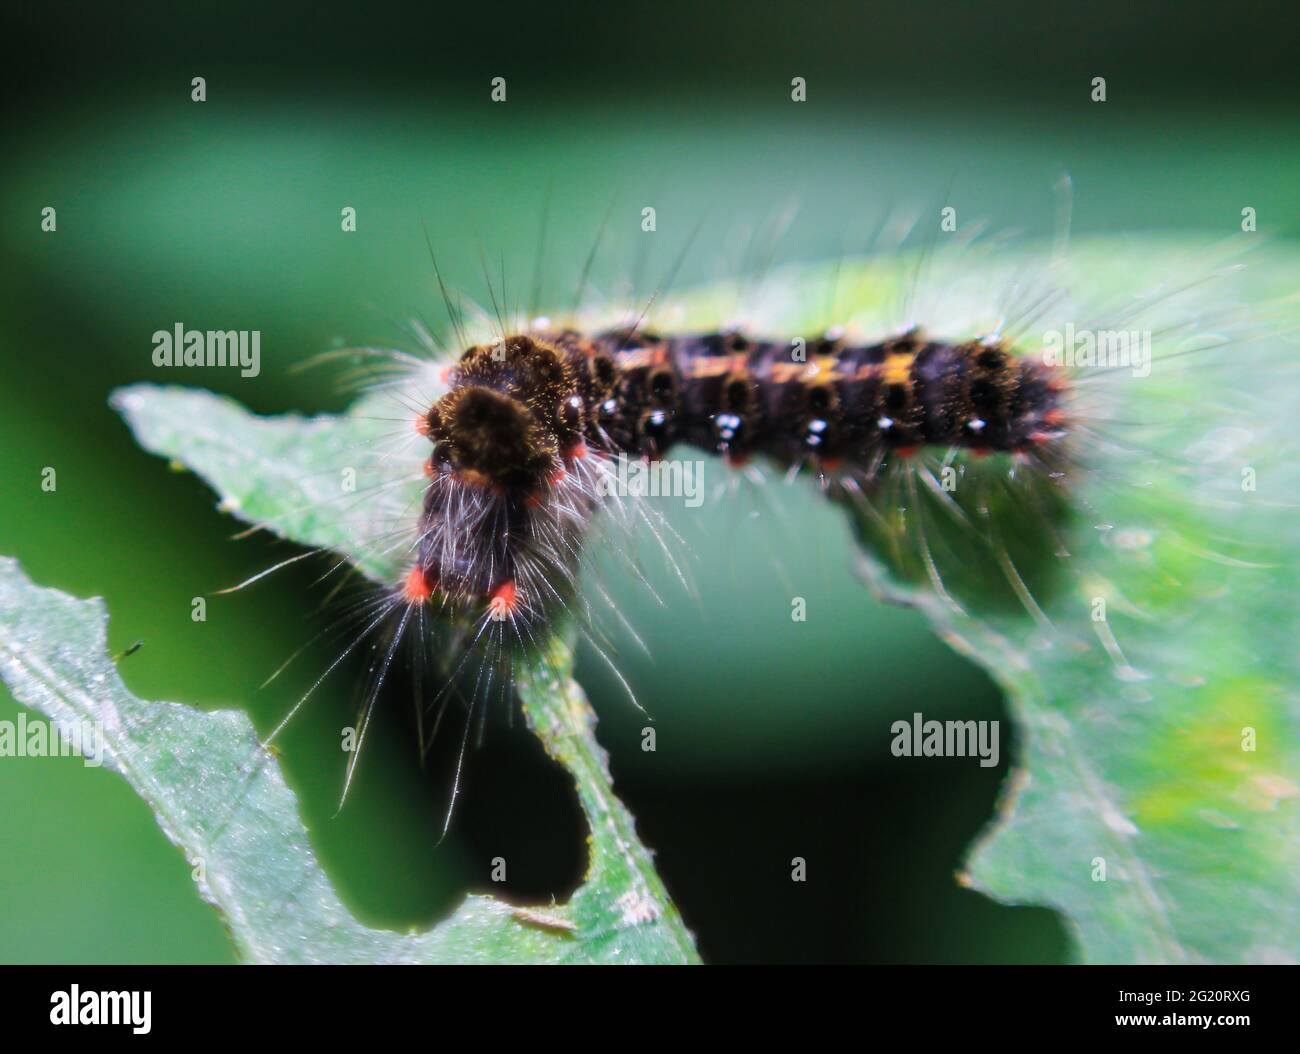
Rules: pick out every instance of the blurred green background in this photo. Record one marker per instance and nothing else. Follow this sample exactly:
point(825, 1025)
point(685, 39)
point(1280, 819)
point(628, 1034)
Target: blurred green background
point(225, 214)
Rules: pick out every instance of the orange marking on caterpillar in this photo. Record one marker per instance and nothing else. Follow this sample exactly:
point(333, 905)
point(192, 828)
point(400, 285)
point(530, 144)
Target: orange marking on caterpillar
point(503, 601)
point(832, 464)
point(473, 477)
point(417, 588)
point(897, 369)
point(576, 452)
point(556, 477)
point(635, 359)
point(821, 368)
point(708, 368)
point(907, 451)
point(422, 424)
point(718, 365)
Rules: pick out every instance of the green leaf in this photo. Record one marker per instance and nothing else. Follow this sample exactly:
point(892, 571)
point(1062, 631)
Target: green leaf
point(220, 796)
point(1130, 731)
point(1162, 743)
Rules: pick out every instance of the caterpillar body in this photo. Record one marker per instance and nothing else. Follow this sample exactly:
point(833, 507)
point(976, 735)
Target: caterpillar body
point(519, 436)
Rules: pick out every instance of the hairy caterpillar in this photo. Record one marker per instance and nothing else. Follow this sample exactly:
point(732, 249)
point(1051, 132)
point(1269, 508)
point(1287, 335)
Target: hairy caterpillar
point(932, 411)
point(511, 481)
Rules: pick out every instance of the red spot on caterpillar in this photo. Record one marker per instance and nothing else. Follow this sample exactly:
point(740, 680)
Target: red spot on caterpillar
point(907, 451)
point(832, 464)
point(444, 375)
point(532, 501)
point(422, 424)
point(1054, 417)
point(576, 452)
point(980, 451)
point(556, 477)
point(417, 588)
point(502, 602)
point(737, 460)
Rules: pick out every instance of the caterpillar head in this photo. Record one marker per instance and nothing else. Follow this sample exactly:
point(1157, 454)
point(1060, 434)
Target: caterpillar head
point(502, 434)
point(512, 409)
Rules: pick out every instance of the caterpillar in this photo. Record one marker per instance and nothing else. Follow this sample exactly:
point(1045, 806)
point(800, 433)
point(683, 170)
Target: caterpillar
point(511, 483)
point(962, 445)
